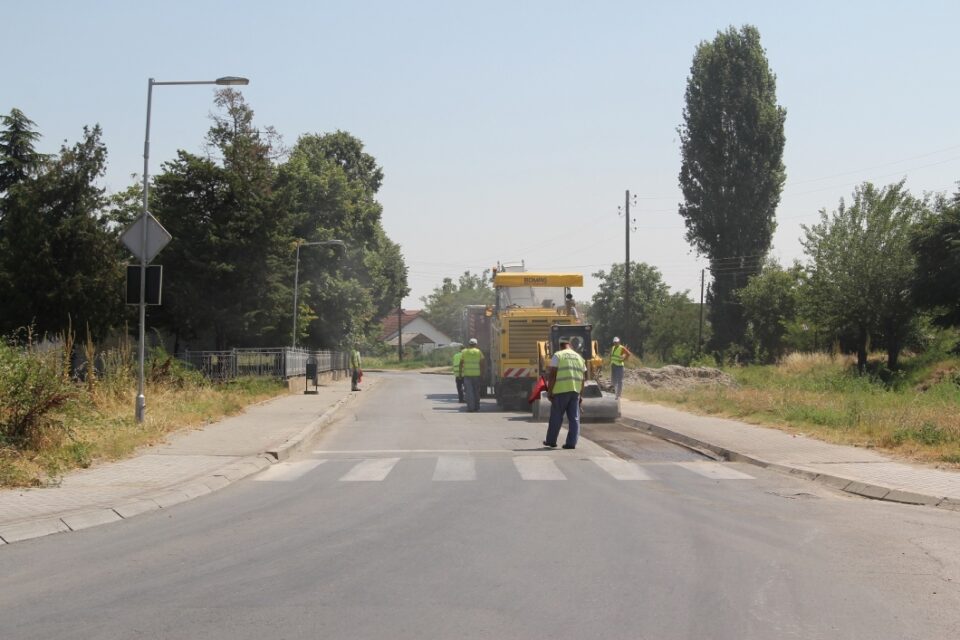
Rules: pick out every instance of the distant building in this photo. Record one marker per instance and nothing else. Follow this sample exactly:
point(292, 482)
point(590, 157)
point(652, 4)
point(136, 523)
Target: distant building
point(414, 330)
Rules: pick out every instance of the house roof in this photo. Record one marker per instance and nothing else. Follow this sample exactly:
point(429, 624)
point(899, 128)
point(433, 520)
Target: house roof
point(390, 322)
point(411, 339)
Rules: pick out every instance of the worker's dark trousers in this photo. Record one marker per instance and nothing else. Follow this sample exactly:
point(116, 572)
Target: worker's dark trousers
point(564, 404)
point(355, 380)
point(459, 388)
point(472, 387)
point(616, 377)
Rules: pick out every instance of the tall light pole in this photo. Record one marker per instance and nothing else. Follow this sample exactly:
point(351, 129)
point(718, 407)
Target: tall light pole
point(626, 271)
point(296, 277)
point(141, 407)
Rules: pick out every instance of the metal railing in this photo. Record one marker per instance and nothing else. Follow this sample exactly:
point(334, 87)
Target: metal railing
point(282, 362)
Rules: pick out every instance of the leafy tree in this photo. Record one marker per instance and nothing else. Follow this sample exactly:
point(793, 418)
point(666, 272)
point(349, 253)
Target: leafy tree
point(60, 258)
point(648, 293)
point(861, 267)
point(224, 267)
point(936, 245)
point(732, 172)
point(329, 185)
point(674, 329)
point(770, 302)
point(444, 307)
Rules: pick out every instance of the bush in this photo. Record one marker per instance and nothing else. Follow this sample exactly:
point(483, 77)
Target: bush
point(32, 387)
point(162, 368)
point(928, 434)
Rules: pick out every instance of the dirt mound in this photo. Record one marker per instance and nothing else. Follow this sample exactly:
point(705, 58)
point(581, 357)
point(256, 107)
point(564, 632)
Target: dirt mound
point(674, 377)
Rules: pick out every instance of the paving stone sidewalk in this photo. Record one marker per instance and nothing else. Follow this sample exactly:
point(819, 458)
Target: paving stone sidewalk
point(854, 470)
point(190, 464)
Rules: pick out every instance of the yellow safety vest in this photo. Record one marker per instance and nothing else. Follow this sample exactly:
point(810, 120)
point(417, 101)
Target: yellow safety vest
point(569, 372)
point(456, 363)
point(471, 362)
point(355, 359)
point(616, 355)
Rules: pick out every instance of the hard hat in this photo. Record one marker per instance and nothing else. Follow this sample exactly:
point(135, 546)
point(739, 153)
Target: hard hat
point(616, 339)
point(473, 341)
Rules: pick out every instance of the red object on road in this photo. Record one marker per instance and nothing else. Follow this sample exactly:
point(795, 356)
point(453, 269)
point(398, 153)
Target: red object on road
point(537, 389)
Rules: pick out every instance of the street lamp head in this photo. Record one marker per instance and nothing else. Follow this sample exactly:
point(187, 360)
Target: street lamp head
point(232, 81)
point(323, 243)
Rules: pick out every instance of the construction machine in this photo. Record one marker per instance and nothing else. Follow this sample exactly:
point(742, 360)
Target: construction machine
point(595, 406)
point(527, 308)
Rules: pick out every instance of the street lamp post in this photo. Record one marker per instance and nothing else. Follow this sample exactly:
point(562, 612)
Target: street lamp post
point(296, 278)
point(141, 406)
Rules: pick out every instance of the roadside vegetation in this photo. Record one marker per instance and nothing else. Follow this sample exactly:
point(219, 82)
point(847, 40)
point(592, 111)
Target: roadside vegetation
point(55, 418)
point(412, 359)
point(912, 412)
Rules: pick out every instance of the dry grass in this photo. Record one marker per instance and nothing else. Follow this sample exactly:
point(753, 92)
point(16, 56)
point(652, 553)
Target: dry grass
point(798, 363)
point(100, 426)
point(914, 414)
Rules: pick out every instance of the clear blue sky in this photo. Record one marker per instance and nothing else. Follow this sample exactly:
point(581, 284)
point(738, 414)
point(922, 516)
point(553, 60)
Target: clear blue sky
point(506, 130)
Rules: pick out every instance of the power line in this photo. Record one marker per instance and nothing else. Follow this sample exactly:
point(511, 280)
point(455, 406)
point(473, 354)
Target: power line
point(876, 166)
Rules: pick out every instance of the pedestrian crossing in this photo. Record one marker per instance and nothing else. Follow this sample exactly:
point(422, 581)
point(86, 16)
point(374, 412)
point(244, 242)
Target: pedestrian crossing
point(460, 467)
point(287, 471)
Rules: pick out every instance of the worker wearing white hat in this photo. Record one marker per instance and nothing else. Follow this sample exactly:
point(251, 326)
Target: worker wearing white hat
point(471, 370)
point(618, 355)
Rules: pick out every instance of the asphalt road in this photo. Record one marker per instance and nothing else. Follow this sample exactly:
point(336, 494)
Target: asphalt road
point(411, 519)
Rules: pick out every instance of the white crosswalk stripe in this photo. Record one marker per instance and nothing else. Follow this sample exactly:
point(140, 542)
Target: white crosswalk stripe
point(621, 469)
point(287, 471)
point(373, 470)
point(714, 470)
point(538, 468)
point(454, 468)
point(460, 467)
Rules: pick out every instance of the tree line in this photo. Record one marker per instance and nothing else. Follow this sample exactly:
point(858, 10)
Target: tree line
point(876, 269)
point(879, 272)
point(236, 214)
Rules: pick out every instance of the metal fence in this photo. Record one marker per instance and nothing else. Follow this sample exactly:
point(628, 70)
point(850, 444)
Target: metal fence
point(281, 362)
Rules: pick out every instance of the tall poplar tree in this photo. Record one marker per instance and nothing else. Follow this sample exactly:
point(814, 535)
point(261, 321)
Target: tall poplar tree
point(732, 171)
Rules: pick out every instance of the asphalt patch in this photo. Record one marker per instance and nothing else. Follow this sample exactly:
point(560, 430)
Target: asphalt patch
point(631, 444)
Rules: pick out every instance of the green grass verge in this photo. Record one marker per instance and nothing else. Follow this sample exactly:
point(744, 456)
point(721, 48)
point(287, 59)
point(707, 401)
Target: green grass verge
point(913, 412)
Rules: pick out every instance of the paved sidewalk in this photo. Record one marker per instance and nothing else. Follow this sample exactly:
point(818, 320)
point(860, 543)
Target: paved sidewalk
point(190, 464)
point(854, 470)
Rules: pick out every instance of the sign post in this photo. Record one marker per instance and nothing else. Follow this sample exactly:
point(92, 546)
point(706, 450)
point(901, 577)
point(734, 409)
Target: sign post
point(144, 238)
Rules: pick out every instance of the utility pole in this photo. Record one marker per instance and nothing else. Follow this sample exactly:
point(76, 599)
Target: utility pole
point(700, 333)
point(626, 272)
point(399, 333)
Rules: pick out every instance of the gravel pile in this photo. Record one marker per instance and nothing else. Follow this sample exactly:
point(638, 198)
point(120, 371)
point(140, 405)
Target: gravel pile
point(672, 377)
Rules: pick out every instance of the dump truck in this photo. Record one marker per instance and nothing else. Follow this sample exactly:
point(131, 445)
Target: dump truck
point(528, 305)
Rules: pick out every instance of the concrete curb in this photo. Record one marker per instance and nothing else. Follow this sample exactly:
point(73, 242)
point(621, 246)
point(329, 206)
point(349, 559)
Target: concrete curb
point(174, 494)
point(848, 485)
point(297, 442)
